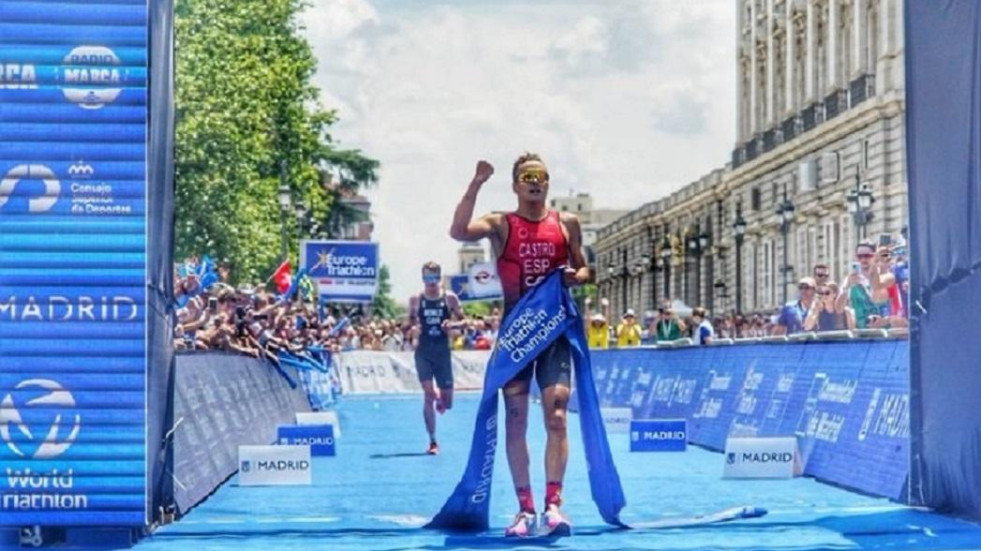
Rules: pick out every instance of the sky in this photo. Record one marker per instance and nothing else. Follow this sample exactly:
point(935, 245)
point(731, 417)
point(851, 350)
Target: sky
point(627, 101)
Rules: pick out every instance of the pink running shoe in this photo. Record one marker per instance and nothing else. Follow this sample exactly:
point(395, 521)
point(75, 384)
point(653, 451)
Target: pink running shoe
point(554, 523)
point(523, 526)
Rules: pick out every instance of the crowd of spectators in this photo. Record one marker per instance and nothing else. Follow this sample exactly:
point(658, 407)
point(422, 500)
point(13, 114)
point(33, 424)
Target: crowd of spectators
point(259, 321)
point(873, 295)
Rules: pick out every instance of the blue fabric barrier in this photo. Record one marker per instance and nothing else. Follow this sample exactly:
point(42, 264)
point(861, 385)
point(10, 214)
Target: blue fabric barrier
point(221, 402)
point(943, 99)
point(847, 402)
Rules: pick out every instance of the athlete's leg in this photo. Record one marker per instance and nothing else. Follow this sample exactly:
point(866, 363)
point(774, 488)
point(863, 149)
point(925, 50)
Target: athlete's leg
point(555, 379)
point(555, 402)
point(428, 414)
point(515, 431)
point(516, 445)
point(443, 374)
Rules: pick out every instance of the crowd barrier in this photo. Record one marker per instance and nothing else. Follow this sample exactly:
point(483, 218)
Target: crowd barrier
point(846, 401)
point(222, 401)
point(369, 372)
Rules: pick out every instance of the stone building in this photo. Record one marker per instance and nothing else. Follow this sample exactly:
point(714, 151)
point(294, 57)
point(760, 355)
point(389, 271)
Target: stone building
point(818, 165)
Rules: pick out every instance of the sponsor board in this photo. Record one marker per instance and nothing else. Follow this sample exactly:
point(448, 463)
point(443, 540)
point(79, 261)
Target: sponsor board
point(320, 438)
point(658, 435)
point(617, 420)
point(776, 457)
point(304, 418)
point(344, 271)
point(274, 466)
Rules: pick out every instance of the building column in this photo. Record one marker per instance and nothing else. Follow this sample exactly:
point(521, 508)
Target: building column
point(754, 85)
point(740, 105)
point(771, 68)
point(861, 34)
point(810, 35)
point(834, 21)
point(790, 35)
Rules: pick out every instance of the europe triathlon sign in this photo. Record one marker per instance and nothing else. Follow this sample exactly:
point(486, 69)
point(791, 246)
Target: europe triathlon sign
point(345, 271)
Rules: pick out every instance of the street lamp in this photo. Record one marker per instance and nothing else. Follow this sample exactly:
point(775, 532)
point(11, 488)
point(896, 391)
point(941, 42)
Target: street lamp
point(695, 250)
point(666, 253)
point(785, 213)
point(284, 205)
point(739, 228)
point(860, 201)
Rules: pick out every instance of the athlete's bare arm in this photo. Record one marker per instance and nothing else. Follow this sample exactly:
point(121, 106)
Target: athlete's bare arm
point(457, 318)
point(578, 274)
point(464, 227)
point(413, 311)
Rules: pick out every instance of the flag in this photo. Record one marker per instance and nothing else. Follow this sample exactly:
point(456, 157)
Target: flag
point(282, 277)
point(206, 272)
point(294, 285)
point(308, 288)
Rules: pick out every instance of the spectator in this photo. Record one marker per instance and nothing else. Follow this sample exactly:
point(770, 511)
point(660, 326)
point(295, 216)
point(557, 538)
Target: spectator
point(822, 274)
point(628, 331)
point(825, 315)
point(791, 318)
point(857, 289)
point(667, 327)
point(704, 333)
point(597, 326)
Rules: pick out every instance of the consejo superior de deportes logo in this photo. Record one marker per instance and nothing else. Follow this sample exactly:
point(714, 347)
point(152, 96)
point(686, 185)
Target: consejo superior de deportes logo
point(47, 395)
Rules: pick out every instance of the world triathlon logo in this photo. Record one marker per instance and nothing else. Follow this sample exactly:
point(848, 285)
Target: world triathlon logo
point(92, 76)
point(48, 396)
point(40, 203)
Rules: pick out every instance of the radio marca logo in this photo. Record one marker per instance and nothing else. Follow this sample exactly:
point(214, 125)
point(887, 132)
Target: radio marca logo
point(17, 435)
point(92, 76)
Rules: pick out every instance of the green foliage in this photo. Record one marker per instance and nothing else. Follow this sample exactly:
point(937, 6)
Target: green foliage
point(384, 305)
point(247, 112)
point(481, 308)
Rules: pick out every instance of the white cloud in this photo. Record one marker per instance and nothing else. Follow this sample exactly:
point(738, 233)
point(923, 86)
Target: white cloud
point(624, 101)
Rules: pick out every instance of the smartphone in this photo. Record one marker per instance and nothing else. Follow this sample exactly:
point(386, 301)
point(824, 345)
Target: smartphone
point(856, 268)
point(213, 304)
point(885, 240)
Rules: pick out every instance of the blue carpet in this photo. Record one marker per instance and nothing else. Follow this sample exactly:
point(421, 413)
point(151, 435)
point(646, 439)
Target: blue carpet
point(381, 488)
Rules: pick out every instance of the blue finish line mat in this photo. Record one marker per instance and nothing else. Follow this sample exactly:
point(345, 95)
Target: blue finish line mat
point(382, 487)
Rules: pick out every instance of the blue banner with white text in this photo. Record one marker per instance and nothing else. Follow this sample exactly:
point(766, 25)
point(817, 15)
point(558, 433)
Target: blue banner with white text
point(344, 271)
point(73, 262)
point(846, 402)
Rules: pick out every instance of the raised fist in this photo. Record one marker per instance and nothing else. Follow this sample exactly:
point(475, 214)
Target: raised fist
point(484, 171)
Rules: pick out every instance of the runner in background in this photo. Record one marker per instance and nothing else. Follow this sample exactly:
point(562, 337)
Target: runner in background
point(434, 313)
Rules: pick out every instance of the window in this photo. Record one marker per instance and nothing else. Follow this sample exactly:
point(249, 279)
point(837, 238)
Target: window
point(803, 265)
point(755, 198)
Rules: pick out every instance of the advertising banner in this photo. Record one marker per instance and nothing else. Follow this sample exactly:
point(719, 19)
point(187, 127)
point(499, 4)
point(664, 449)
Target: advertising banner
point(73, 263)
point(344, 271)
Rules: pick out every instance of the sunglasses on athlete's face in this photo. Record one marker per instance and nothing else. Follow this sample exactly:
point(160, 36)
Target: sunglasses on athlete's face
point(533, 177)
point(430, 278)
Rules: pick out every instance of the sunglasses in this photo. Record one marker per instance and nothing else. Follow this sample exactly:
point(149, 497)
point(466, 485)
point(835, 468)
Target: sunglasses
point(430, 278)
point(821, 276)
point(865, 255)
point(825, 293)
point(533, 177)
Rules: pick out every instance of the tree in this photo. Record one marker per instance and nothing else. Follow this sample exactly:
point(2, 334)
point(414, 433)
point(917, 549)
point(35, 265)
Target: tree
point(384, 305)
point(246, 110)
